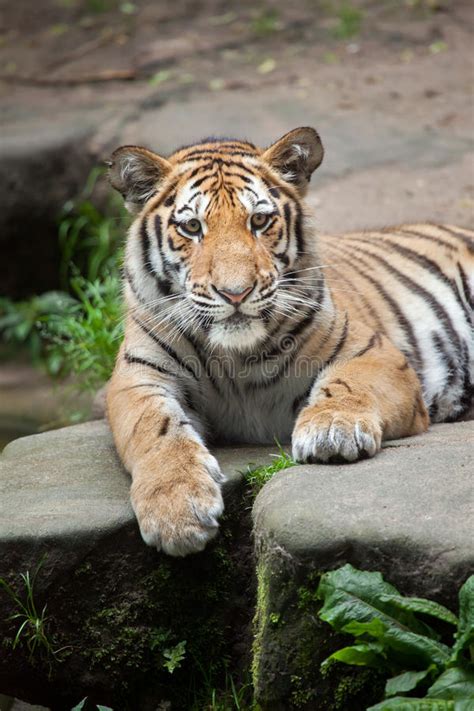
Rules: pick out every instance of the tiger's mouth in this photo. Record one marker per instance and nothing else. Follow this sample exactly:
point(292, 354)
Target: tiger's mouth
point(238, 331)
point(236, 319)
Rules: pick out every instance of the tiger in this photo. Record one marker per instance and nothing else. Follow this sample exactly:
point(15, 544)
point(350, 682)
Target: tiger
point(244, 325)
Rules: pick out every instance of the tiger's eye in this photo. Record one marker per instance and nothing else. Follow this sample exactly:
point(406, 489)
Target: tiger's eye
point(193, 226)
point(259, 220)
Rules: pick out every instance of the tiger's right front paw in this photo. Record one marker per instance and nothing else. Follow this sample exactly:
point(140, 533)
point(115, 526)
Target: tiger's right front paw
point(177, 500)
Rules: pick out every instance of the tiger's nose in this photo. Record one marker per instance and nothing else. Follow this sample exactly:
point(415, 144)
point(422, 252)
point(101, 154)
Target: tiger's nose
point(234, 296)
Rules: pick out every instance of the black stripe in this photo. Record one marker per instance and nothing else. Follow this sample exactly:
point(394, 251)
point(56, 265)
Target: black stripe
point(287, 218)
point(370, 308)
point(301, 398)
point(425, 262)
point(221, 150)
point(177, 247)
point(340, 344)
point(296, 331)
point(288, 359)
point(432, 302)
point(180, 210)
point(375, 339)
point(135, 360)
point(465, 239)
point(131, 282)
point(402, 320)
point(233, 174)
point(299, 231)
point(164, 427)
point(216, 159)
point(167, 348)
point(164, 282)
point(145, 242)
point(465, 285)
point(203, 360)
point(406, 232)
point(201, 180)
point(448, 362)
point(433, 408)
point(338, 381)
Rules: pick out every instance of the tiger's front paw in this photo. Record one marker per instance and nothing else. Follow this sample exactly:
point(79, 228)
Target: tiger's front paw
point(335, 436)
point(177, 501)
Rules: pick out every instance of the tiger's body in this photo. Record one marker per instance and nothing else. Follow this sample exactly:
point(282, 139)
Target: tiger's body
point(243, 326)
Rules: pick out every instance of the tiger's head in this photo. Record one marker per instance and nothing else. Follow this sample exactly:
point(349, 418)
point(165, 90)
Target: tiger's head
point(219, 232)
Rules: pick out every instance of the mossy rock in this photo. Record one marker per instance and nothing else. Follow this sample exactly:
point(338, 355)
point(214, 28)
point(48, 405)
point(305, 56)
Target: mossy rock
point(291, 642)
point(133, 627)
point(399, 513)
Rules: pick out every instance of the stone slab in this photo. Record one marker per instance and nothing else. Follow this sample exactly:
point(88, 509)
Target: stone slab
point(415, 501)
point(70, 482)
point(408, 513)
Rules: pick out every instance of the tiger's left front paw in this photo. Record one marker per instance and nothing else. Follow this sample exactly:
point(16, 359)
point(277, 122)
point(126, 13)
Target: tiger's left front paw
point(335, 436)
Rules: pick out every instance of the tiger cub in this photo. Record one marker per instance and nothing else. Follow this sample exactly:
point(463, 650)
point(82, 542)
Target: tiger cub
point(243, 325)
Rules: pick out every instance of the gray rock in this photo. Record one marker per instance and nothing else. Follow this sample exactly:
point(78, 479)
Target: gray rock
point(43, 164)
point(406, 513)
point(113, 603)
point(70, 483)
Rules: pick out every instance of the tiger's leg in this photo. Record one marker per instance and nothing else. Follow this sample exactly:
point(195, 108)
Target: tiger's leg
point(175, 489)
point(356, 403)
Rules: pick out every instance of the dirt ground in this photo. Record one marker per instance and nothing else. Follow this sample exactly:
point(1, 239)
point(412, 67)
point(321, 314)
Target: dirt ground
point(388, 84)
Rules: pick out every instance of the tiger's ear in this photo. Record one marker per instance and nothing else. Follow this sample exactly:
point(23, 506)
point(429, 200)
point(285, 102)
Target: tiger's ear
point(295, 156)
point(137, 174)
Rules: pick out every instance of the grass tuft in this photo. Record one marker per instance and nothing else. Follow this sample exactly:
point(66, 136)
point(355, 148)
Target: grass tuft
point(32, 622)
point(256, 477)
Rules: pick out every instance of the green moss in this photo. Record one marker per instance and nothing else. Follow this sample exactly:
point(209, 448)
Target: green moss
point(259, 621)
point(351, 686)
point(139, 617)
point(291, 642)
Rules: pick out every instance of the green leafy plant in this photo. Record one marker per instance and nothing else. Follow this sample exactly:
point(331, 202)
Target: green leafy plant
point(174, 656)
point(391, 635)
point(91, 237)
point(256, 477)
point(76, 331)
point(32, 622)
point(21, 321)
point(227, 695)
point(84, 341)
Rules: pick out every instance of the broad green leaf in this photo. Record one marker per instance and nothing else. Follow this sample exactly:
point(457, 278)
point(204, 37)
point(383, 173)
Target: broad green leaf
point(408, 681)
point(104, 708)
point(465, 633)
point(406, 703)
point(375, 628)
point(80, 705)
point(455, 683)
point(361, 655)
point(464, 705)
point(419, 604)
point(353, 595)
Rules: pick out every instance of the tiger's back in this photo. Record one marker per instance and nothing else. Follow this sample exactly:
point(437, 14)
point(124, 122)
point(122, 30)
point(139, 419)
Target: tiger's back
point(415, 284)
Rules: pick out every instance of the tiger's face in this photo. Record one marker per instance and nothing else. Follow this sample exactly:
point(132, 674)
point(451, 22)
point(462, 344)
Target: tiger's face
point(222, 223)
